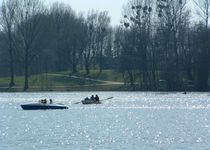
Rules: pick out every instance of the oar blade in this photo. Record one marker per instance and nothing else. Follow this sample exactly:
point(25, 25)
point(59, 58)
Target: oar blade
point(110, 98)
point(77, 102)
point(107, 99)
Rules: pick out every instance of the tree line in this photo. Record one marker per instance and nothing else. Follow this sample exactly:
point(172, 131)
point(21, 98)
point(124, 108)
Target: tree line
point(157, 43)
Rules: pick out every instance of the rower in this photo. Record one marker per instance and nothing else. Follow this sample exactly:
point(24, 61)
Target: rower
point(97, 98)
point(42, 101)
point(92, 97)
point(51, 101)
point(45, 101)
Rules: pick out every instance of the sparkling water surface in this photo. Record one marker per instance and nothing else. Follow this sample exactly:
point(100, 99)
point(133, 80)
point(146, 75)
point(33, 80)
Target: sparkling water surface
point(130, 121)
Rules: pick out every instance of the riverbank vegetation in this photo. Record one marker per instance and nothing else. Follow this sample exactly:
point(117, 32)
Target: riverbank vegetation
point(158, 45)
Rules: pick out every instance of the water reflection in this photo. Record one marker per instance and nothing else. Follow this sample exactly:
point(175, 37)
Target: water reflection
point(129, 121)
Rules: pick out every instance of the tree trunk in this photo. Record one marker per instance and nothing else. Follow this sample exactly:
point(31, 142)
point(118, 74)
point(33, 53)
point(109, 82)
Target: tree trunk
point(203, 73)
point(74, 68)
point(101, 57)
point(26, 71)
point(204, 61)
point(131, 80)
point(189, 72)
point(74, 63)
point(176, 69)
point(153, 71)
point(87, 69)
point(145, 69)
point(12, 83)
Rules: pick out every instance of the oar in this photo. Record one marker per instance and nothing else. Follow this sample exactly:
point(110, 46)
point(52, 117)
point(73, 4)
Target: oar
point(100, 100)
point(107, 99)
point(77, 102)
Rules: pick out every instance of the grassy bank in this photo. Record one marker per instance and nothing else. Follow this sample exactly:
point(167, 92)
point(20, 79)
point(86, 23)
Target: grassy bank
point(63, 81)
point(107, 75)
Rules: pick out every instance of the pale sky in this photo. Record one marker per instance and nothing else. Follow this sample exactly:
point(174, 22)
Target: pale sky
point(114, 7)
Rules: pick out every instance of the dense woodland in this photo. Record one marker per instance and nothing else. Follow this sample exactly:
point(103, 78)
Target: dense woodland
point(158, 43)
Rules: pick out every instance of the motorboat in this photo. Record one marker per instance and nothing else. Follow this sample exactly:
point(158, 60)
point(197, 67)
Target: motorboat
point(42, 106)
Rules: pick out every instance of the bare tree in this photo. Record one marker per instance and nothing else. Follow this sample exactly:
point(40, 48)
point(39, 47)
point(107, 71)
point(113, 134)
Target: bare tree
point(172, 15)
point(203, 10)
point(61, 15)
point(8, 12)
point(203, 70)
point(77, 42)
point(91, 34)
point(103, 25)
point(28, 27)
point(138, 17)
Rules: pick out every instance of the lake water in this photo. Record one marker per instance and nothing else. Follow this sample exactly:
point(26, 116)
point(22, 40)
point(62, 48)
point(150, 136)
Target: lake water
point(129, 121)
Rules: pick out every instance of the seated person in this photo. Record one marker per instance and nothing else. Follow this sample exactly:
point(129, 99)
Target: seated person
point(44, 101)
point(96, 98)
point(92, 97)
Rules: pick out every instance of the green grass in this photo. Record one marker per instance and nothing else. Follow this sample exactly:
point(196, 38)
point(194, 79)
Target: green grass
point(108, 75)
point(51, 82)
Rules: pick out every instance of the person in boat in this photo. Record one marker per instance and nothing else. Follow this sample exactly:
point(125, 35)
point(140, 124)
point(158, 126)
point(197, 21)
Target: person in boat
point(92, 97)
point(86, 99)
point(51, 101)
point(44, 101)
point(96, 98)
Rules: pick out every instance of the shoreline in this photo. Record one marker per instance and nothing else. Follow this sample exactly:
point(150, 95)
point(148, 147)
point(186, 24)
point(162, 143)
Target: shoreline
point(82, 89)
